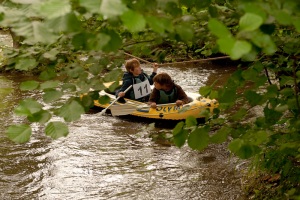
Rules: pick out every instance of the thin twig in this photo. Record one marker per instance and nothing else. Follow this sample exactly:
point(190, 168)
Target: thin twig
point(267, 74)
point(174, 63)
point(146, 61)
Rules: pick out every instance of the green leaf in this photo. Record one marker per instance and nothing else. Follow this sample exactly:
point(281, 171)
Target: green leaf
point(94, 95)
point(51, 55)
point(228, 96)
point(71, 112)
point(226, 45)
point(293, 103)
point(221, 135)
point(104, 99)
point(218, 29)
point(54, 8)
point(235, 145)
point(213, 11)
point(202, 4)
point(112, 75)
point(87, 101)
point(190, 121)
point(242, 149)
point(286, 80)
point(283, 17)
point(56, 130)
point(49, 85)
point(199, 139)
point(281, 108)
point(41, 34)
point(29, 85)
point(178, 128)
point(26, 64)
point(28, 107)
point(288, 92)
point(214, 94)
point(19, 133)
point(258, 66)
point(265, 42)
point(185, 32)
point(240, 48)
point(42, 117)
point(259, 137)
point(180, 137)
point(48, 74)
point(156, 24)
point(205, 90)
point(271, 116)
point(74, 71)
point(68, 86)
point(114, 43)
point(133, 21)
point(255, 9)
point(25, 1)
point(173, 9)
point(51, 95)
point(112, 8)
point(298, 74)
point(21, 28)
point(296, 23)
point(98, 41)
point(249, 74)
point(272, 91)
point(68, 23)
point(114, 86)
point(95, 69)
point(247, 151)
point(240, 114)
point(91, 5)
point(253, 98)
point(250, 22)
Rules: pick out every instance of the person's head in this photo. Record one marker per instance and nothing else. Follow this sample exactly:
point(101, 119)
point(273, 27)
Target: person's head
point(133, 66)
point(163, 81)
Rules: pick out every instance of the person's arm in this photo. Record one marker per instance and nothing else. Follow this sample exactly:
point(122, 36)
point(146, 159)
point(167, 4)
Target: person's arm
point(154, 72)
point(182, 98)
point(153, 98)
point(125, 85)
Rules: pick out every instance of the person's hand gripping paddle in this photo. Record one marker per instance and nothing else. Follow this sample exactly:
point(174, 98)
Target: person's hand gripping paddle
point(104, 110)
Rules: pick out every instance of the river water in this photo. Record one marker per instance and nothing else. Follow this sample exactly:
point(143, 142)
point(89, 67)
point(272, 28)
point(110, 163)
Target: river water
point(106, 157)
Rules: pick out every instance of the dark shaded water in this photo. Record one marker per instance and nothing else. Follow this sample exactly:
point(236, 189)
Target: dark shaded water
point(114, 158)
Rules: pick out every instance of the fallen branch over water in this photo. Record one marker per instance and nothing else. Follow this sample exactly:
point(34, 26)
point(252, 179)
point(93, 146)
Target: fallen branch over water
point(173, 63)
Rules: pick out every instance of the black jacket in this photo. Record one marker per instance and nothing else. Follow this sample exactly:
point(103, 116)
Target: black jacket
point(128, 79)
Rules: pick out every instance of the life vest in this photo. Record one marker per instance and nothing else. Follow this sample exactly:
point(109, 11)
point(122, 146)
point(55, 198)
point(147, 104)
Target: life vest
point(140, 89)
point(169, 97)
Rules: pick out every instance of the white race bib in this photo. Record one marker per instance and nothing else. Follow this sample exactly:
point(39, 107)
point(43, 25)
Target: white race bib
point(141, 89)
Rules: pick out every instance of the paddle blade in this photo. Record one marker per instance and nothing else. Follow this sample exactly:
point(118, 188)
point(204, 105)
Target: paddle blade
point(117, 110)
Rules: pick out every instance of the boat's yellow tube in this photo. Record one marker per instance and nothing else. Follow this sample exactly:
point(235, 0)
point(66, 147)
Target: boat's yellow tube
point(166, 111)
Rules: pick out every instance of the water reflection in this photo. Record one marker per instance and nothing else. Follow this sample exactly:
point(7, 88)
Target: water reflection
point(105, 157)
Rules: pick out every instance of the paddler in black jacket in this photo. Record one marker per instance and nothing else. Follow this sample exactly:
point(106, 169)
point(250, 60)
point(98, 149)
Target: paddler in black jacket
point(140, 81)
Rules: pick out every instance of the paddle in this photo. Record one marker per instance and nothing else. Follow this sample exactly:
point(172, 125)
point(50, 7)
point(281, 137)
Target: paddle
point(104, 110)
point(125, 109)
point(117, 110)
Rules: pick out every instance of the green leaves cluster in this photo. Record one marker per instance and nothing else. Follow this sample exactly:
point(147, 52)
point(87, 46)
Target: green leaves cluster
point(198, 136)
point(79, 43)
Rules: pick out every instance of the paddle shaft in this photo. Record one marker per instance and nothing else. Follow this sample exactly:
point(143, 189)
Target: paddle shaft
point(103, 111)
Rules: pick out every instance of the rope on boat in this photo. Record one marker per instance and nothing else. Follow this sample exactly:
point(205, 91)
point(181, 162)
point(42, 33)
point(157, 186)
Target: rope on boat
point(189, 61)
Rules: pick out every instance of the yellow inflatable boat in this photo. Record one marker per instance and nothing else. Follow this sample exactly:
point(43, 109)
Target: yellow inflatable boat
point(162, 111)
